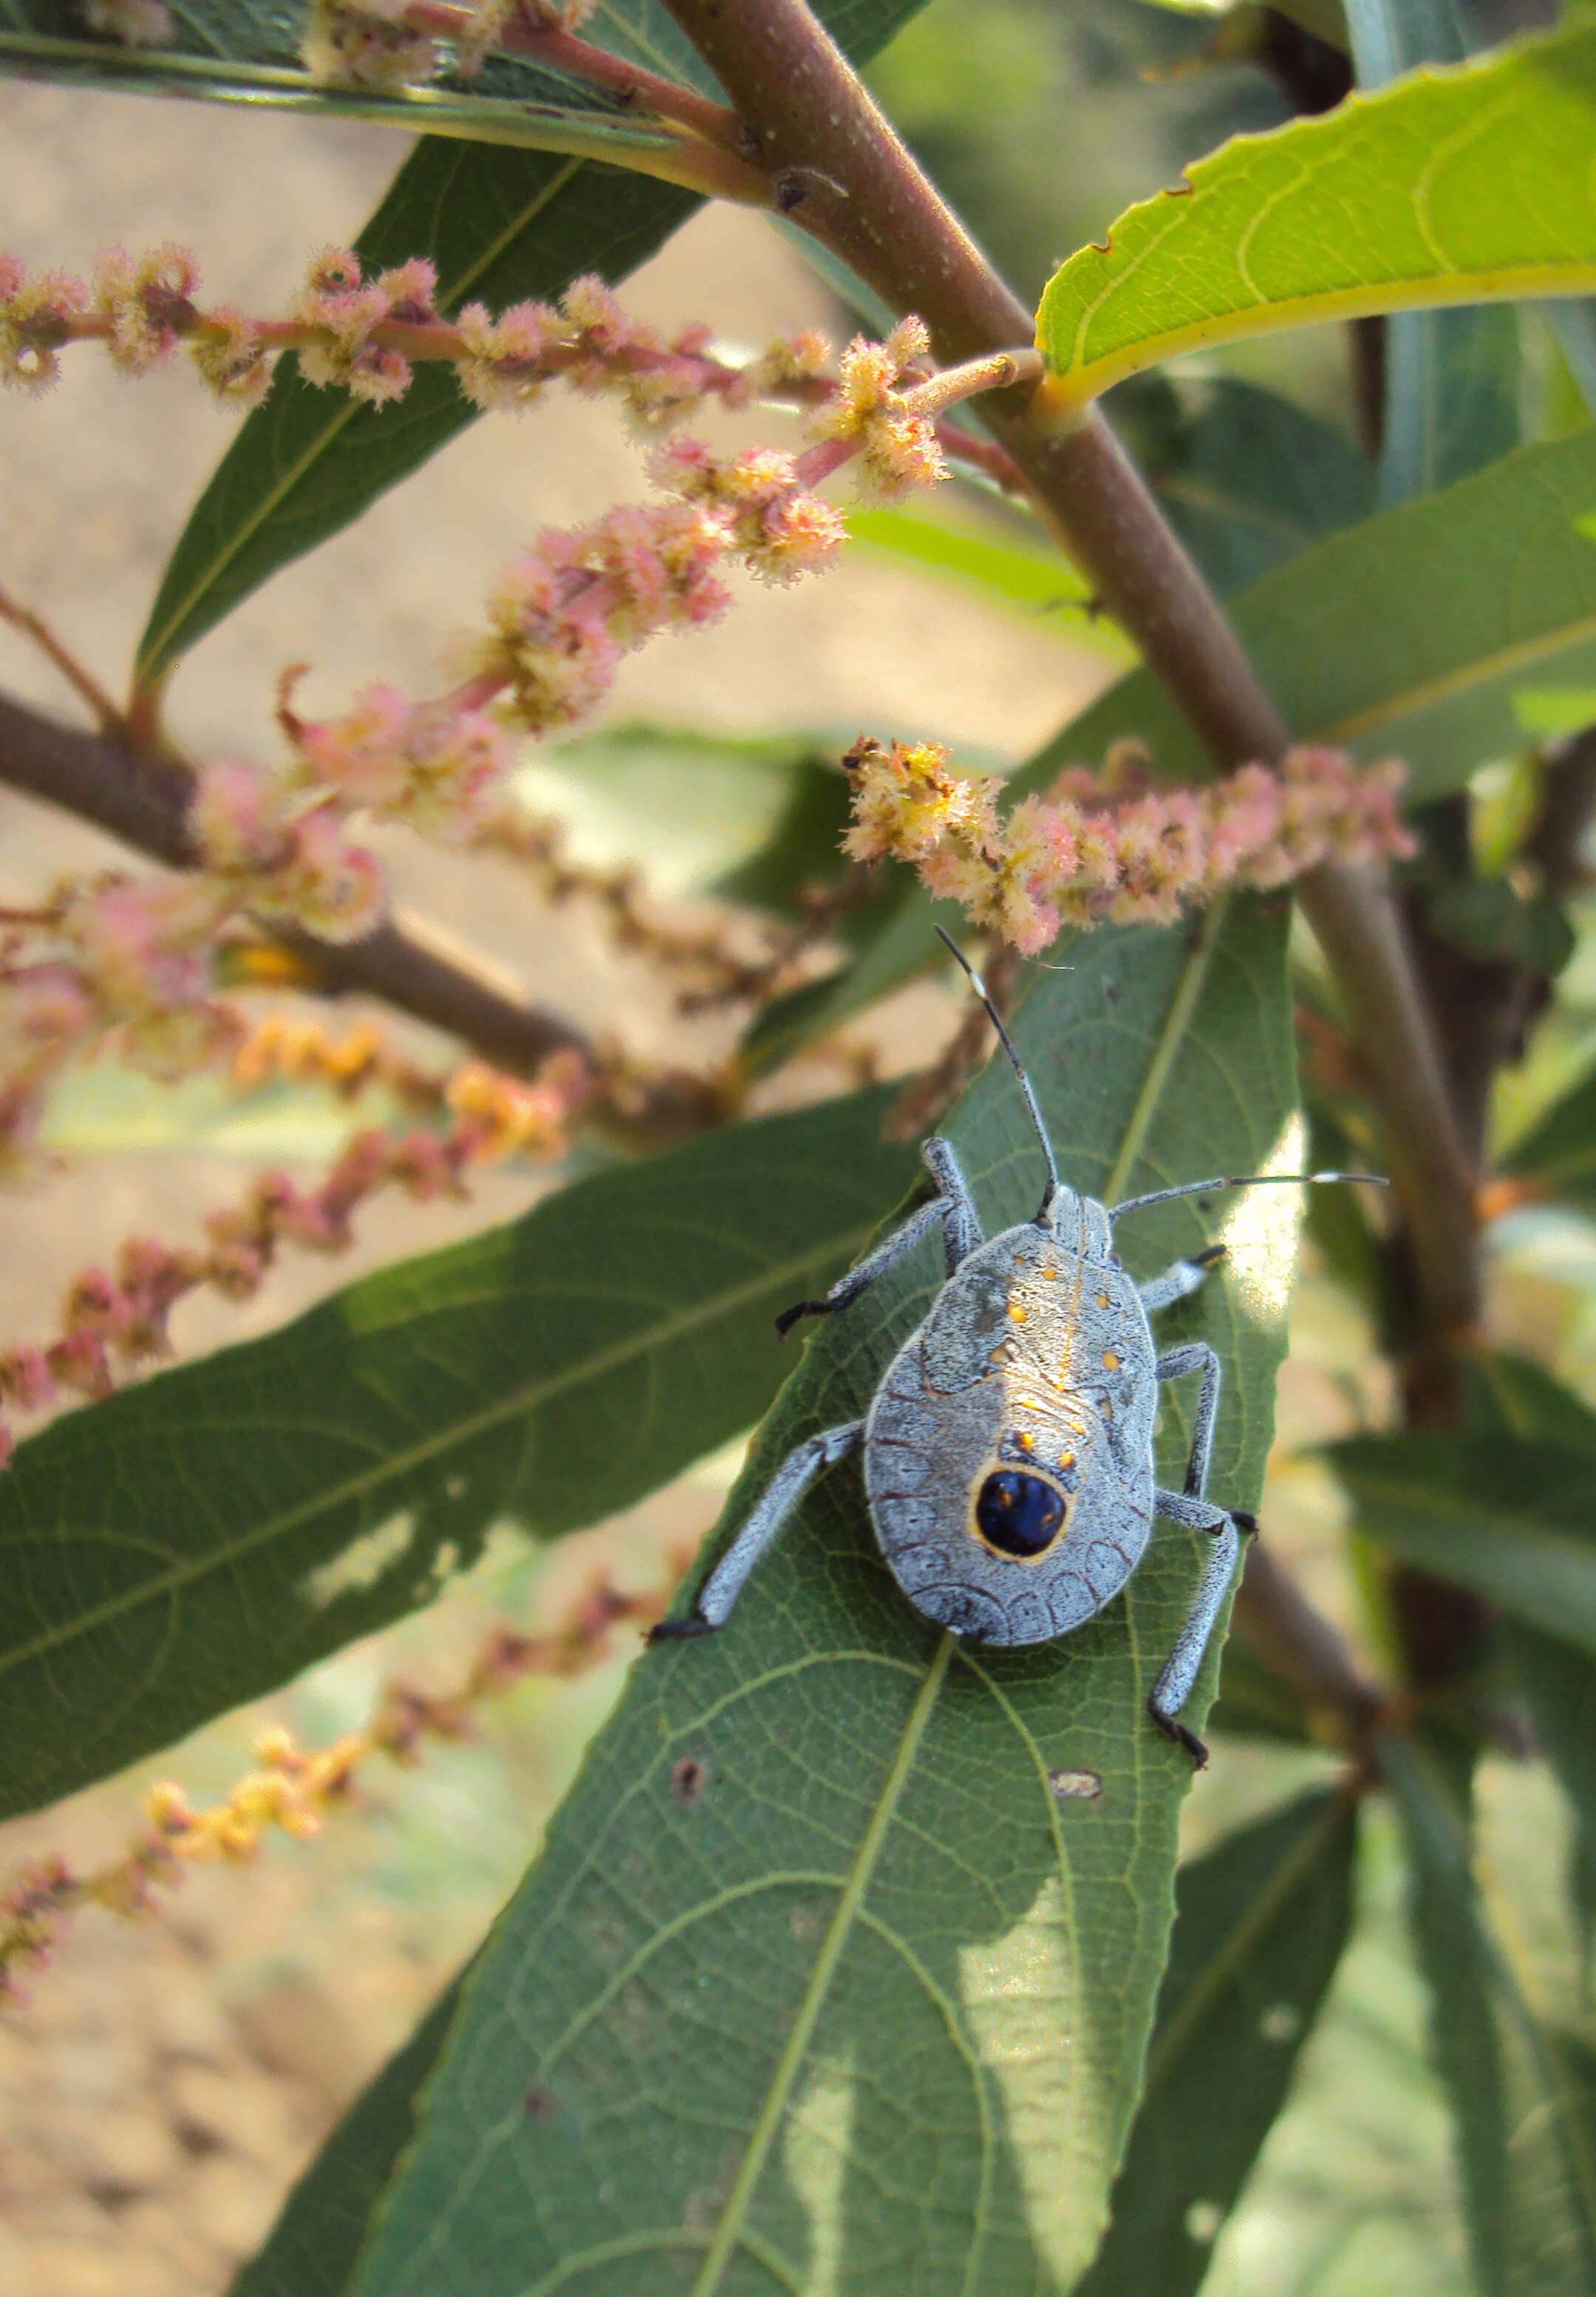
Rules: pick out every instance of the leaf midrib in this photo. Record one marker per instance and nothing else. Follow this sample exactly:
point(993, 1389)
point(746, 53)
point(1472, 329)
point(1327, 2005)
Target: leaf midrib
point(397, 1466)
point(851, 1898)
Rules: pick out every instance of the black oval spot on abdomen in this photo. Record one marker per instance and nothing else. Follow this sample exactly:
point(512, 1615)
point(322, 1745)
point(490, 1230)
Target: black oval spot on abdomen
point(1019, 1514)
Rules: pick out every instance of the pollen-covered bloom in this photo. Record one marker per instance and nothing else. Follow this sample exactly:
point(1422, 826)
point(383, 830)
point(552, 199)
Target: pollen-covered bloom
point(34, 312)
point(1116, 846)
point(898, 449)
point(149, 301)
point(344, 311)
point(772, 522)
point(368, 44)
point(907, 803)
point(506, 362)
point(424, 764)
point(230, 357)
point(283, 852)
point(564, 612)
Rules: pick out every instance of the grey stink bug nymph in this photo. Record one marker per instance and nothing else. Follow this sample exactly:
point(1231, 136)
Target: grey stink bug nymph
point(1009, 1449)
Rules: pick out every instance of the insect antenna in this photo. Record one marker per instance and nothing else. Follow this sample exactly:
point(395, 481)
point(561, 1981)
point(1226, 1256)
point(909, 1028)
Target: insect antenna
point(992, 1015)
point(1244, 1180)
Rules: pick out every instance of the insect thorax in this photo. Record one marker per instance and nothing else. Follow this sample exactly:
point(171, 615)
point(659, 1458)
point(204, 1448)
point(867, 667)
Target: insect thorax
point(1009, 1450)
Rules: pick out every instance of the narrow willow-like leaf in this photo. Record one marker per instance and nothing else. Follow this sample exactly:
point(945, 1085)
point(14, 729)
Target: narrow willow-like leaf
point(500, 227)
point(1515, 1519)
point(837, 1969)
point(314, 2247)
point(198, 1539)
point(1418, 633)
point(244, 74)
point(1459, 186)
point(1522, 2096)
point(1555, 1679)
point(1261, 1921)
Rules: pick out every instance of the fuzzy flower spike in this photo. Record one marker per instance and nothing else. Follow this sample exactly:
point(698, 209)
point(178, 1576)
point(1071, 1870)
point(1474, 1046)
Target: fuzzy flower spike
point(1115, 845)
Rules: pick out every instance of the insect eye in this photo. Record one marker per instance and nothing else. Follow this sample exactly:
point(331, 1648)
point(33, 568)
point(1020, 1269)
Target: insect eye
point(1019, 1514)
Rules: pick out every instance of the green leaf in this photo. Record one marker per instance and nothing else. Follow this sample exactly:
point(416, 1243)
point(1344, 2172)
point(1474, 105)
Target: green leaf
point(1559, 1685)
point(313, 2249)
point(499, 226)
point(892, 942)
point(1519, 1397)
point(1513, 1519)
point(1261, 1921)
point(1254, 1702)
point(195, 1540)
point(1523, 2096)
point(803, 850)
point(1026, 575)
point(1247, 479)
point(1556, 1681)
point(683, 804)
point(1414, 633)
point(834, 1974)
point(1560, 1150)
point(1459, 186)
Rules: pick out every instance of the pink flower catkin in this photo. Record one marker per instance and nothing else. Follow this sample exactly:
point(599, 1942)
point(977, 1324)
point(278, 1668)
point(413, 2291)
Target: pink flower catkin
point(1116, 846)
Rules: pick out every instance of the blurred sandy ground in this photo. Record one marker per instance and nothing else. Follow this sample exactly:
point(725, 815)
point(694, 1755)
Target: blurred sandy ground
point(166, 2082)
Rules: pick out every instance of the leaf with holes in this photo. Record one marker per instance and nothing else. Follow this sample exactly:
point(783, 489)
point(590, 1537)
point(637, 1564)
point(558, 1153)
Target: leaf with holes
point(500, 225)
point(196, 1540)
point(829, 1976)
point(1261, 1921)
point(1460, 185)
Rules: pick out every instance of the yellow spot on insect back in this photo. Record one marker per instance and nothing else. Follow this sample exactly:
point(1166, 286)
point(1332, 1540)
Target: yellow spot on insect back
point(1110, 1360)
point(1103, 1300)
point(1026, 1443)
point(1017, 1311)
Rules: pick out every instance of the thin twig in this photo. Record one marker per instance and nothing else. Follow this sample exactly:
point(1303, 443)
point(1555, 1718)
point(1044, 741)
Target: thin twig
point(1276, 1620)
point(145, 802)
point(85, 687)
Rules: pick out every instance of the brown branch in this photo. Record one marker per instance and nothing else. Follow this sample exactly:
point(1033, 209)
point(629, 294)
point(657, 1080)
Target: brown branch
point(528, 31)
point(145, 802)
point(837, 167)
point(1275, 1618)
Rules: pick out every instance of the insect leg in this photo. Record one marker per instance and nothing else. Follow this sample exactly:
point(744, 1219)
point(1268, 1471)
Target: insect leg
point(953, 1206)
point(781, 1496)
point(962, 1225)
point(1195, 1356)
point(1197, 1514)
point(1178, 1672)
point(1183, 1276)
